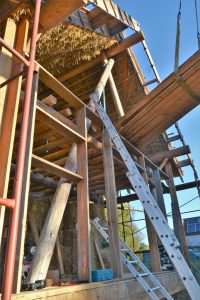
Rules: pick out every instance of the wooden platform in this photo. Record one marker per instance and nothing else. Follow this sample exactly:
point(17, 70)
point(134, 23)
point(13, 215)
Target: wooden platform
point(110, 290)
point(164, 106)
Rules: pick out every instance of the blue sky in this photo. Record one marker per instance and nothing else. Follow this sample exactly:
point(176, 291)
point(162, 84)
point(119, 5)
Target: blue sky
point(158, 19)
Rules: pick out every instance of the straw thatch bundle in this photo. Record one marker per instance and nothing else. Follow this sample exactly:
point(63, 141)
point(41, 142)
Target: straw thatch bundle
point(66, 46)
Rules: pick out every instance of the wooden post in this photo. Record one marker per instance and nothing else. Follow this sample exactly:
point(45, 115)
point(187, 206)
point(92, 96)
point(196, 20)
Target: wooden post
point(177, 220)
point(53, 220)
point(25, 190)
point(83, 218)
point(159, 191)
point(111, 201)
point(6, 63)
point(116, 98)
point(152, 236)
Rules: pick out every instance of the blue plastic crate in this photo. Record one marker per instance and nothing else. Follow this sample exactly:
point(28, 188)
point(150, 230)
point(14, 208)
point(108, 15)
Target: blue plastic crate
point(102, 275)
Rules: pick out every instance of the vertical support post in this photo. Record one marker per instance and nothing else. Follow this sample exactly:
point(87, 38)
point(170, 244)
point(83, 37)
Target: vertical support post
point(152, 236)
point(6, 61)
point(177, 220)
point(83, 218)
point(6, 64)
point(159, 191)
point(111, 201)
point(25, 189)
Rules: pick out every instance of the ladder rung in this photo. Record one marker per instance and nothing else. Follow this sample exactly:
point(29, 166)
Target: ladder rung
point(134, 261)
point(155, 288)
point(144, 274)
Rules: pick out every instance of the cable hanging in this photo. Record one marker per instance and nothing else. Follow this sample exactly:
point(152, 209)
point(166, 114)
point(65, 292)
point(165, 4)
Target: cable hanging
point(197, 23)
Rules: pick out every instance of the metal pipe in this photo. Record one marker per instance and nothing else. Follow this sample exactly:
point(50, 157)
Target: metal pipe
point(14, 52)
point(10, 203)
point(12, 243)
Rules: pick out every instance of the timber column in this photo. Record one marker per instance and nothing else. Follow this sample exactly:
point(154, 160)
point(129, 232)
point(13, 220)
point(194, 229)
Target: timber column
point(111, 201)
point(177, 220)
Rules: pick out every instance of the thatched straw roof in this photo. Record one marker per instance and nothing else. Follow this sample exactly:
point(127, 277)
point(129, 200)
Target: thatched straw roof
point(65, 46)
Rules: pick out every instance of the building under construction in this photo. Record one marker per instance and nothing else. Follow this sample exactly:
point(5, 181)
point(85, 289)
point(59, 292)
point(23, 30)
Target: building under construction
point(79, 127)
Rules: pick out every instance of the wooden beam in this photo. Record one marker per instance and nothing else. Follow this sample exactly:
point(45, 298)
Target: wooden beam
point(52, 119)
point(25, 190)
point(7, 7)
point(54, 169)
point(9, 101)
point(54, 12)
point(55, 85)
point(35, 236)
point(49, 100)
point(52, 223)
point(83, 218)
point(111, 204)
point(115, 50)
point(173, 138)
point(184, 163)
point(159, 191)
point(158, 157)
point(152, 236)
point(116, 98)
point(6, 61)
point(5, 74)
point(104, 78)
point(177, 220)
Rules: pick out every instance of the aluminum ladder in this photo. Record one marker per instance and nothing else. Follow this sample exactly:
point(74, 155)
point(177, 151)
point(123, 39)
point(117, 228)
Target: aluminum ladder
point(137, 268)
point(151, 207)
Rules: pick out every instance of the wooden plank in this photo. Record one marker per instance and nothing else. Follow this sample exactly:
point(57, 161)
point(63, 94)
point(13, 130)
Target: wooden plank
point(128, 289)
point(83, 218)
point(58, 115)
point(54, 12)
point(111, 203)
point(55, 169)
point(25, 190)
point(52, 223)
point(9, 98)
point(61, 90)
point(184, 163)
point(52, 122)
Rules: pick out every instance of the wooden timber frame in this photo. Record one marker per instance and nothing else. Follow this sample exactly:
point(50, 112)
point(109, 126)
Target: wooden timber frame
point(75, 170)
